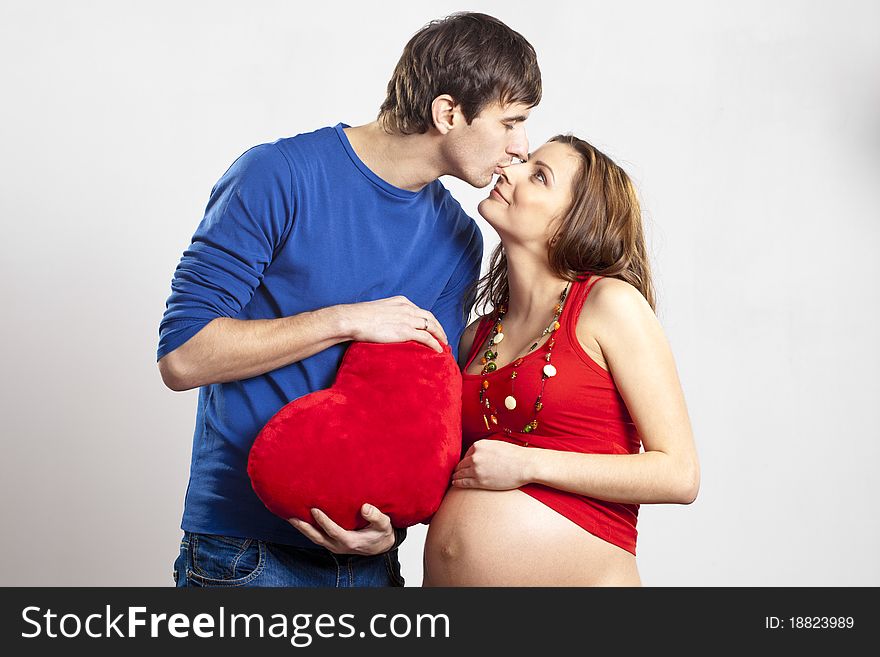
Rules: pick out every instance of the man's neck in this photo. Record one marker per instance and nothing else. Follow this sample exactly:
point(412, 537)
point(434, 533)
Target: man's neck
point(406, 161)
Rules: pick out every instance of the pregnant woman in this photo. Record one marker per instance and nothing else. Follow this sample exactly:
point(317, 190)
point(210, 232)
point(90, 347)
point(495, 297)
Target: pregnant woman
point(573, 410)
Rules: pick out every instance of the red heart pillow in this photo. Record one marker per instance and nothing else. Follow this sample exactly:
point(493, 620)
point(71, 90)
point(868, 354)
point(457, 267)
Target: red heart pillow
point(387, 432)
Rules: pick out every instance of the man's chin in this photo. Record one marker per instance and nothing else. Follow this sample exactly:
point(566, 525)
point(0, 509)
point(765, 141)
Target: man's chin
point(478, 180)
point(483, 181)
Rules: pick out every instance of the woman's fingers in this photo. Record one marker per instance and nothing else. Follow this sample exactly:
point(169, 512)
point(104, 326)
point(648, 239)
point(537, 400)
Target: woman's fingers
point(463, 473)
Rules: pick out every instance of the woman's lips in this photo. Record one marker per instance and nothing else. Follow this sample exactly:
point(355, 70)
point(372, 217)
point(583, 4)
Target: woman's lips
point(498, 195)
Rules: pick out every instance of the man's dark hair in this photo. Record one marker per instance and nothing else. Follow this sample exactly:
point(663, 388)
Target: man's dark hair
point(473, 57)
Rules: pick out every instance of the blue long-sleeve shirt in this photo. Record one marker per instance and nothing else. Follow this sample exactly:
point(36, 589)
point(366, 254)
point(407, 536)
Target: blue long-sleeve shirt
point(293, 226)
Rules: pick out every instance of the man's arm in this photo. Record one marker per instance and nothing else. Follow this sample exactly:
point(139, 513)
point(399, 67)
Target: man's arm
point(231, 349)
point(248, 217)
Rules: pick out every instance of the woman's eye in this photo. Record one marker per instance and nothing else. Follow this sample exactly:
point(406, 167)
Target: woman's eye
point(540, 176)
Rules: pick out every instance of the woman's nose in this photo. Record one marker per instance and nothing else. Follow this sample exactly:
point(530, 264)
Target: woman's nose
point(511, 173)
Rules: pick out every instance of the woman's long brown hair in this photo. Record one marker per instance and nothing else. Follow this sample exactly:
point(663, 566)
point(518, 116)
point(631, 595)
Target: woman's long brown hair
point(600, 234)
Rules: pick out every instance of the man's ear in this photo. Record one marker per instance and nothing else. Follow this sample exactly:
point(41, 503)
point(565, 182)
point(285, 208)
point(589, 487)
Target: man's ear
point(445, 113)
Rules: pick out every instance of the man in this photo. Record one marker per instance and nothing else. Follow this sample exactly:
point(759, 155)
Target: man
point(311, 242)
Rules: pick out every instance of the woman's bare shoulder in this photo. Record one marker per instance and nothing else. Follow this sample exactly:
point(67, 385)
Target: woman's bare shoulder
point(612, 303)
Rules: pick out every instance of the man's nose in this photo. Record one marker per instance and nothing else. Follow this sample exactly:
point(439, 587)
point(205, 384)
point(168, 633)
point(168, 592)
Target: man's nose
point(519, 146)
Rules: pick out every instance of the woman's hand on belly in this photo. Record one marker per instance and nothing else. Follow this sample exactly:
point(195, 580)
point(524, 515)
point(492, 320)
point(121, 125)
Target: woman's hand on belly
point(493, 465)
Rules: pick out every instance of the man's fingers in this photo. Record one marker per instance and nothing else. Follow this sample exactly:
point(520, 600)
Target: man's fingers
point(334, 531)
point(375, 517)
point(436, 328)
point(428, 340)
point(340, 541)
point(397, 319)
point(308, 531)
point(424, 320)
point(427, 322)
point(440, 338)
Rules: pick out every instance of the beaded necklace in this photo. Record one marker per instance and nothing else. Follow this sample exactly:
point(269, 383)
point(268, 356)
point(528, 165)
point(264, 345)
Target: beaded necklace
point(490, 413)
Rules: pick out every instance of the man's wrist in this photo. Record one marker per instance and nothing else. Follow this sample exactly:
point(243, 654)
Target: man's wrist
point(336, 317)
point(399, 535)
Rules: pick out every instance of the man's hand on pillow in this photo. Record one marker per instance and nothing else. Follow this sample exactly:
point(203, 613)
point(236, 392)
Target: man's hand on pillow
point(396, 319)
point(375, 538)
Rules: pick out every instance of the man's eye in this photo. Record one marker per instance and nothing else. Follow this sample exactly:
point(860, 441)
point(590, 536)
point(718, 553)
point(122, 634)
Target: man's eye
point(510, 126)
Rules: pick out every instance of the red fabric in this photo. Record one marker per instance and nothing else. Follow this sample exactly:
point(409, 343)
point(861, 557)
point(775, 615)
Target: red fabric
point(387, 432)
point(583, 412)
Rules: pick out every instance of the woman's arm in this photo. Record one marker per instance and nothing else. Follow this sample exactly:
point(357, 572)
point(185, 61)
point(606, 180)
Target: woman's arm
point(626, 331)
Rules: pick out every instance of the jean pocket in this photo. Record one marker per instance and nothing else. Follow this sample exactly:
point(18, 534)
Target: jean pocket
point(225, 560)
point(181, 560)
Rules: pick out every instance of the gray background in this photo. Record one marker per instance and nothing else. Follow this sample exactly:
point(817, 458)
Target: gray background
point(751, 129)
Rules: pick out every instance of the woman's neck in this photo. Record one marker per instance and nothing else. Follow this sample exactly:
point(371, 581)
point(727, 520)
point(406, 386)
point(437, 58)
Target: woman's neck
point(534, 289)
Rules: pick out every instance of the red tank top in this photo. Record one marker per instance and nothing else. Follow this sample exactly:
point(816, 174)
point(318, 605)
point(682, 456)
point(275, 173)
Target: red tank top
point(583, 412)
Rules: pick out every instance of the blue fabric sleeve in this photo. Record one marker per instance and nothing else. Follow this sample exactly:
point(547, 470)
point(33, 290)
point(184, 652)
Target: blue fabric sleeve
point(248, 216)
point(458, 295)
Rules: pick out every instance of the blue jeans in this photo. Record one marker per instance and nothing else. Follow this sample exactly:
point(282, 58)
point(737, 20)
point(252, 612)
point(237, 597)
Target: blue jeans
point(208, 560)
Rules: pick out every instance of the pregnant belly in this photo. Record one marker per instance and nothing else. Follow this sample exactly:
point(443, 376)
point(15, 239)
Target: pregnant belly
point(508, 538)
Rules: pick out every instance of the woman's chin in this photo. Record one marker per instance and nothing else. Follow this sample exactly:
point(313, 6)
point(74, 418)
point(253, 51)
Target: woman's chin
point(488, 212)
